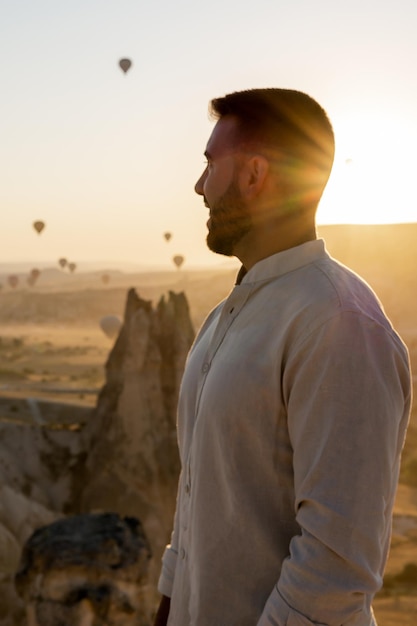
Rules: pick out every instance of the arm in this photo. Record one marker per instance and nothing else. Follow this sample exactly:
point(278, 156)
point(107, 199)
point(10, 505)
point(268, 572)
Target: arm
point(347, 391)
point(169, 562)
point(161, 617)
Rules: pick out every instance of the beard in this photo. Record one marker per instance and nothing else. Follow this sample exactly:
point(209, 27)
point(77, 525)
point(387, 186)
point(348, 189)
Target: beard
point(229, 221)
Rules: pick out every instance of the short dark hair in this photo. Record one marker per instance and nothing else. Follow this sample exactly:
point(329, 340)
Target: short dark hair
point(285, 122)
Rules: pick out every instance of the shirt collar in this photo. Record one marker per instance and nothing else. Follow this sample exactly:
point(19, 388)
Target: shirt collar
point(283, 262)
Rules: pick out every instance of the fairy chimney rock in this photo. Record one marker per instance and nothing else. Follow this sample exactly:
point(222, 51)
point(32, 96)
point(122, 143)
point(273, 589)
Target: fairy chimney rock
point(132, 464)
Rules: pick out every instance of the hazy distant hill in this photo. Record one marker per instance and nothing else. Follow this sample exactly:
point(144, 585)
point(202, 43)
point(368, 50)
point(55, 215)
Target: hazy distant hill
point(385, 255)
point(388, 247)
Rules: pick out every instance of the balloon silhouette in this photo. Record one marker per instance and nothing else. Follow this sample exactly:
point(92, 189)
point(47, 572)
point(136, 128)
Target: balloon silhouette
point(167, 236)
point(39, 226)
point(178, 260)
point(13, 281)
point(62, 262)
point(33, 277)
point(125, 64)
point(110, 325)
point(72, 267)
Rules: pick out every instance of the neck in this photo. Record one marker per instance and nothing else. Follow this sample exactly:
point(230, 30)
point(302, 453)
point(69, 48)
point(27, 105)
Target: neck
point(269, 239)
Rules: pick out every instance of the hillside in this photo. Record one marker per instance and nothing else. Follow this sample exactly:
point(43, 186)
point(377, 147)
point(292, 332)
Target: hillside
point(385, 255)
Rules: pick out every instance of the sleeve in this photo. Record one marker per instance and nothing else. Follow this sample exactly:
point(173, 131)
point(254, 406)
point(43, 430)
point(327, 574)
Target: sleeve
point(347, 390)
point(169, 558)
point(166, 578)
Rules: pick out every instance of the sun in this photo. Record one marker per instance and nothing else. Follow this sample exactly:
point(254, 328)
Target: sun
point(372, 177)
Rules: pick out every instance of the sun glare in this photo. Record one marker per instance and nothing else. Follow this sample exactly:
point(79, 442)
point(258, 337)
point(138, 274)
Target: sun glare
point(371, 181)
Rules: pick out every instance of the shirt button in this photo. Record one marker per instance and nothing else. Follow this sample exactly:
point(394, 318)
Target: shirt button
point(187, 488)
point(206, 368)
point(182, 553)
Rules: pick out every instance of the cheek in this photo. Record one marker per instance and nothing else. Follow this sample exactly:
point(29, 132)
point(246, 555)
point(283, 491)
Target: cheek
point(217, 182)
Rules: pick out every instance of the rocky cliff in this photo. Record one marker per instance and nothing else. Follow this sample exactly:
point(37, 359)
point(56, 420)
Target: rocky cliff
point(123, 460)
point(132, 464)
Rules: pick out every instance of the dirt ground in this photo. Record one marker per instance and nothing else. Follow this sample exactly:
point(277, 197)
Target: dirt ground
point(397, 611)
point(64, 364)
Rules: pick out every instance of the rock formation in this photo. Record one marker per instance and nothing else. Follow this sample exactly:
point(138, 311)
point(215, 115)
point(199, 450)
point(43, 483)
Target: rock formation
point(36, 487)
point(123, 460)
point(132, 465)
point(85, 569)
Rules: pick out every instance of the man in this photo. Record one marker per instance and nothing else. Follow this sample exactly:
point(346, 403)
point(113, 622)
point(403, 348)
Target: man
point(295, 397)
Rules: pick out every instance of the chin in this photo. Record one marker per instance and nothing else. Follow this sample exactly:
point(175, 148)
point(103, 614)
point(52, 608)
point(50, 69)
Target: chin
point(220, 245)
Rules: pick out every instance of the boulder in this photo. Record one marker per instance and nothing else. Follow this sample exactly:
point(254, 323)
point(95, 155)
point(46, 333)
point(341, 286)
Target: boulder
point(85, 569)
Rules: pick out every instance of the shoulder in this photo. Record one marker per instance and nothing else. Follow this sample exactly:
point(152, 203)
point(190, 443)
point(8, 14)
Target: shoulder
point(328, 297)
point(334, 288)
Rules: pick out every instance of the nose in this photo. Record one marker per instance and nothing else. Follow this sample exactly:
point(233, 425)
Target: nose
point(198, 187)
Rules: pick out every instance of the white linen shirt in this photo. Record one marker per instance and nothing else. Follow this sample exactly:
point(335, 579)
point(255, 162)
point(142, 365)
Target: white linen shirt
point(291, 421)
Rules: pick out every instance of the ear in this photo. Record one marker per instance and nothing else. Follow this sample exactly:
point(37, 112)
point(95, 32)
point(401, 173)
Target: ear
point(253, 176)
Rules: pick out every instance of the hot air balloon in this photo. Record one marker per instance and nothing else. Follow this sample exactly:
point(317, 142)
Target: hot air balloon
point(72, 267)
point(35, 273)
point(62, 262)
point(167, 236)
point(178, 260)
point(105, 278)
point(13, 281)
point(125, 64)
point(33, 276)
point(39, 226)
point(111, 325)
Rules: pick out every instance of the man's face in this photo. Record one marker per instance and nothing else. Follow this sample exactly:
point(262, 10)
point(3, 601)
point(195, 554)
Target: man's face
point(219, 185)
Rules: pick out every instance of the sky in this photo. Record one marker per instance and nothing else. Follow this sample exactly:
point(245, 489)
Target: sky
point(109, 160)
